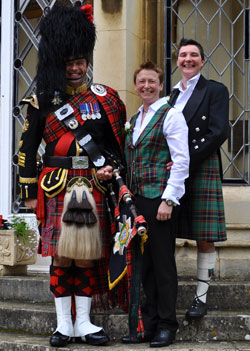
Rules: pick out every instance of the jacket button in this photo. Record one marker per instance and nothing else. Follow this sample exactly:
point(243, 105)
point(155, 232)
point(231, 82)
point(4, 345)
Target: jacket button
point(197, 129)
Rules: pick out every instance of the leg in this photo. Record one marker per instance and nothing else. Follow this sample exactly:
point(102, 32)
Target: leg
point(84, 330)
point(159, 278)
point(61, 286)
point(159, 274)
point(206, 259)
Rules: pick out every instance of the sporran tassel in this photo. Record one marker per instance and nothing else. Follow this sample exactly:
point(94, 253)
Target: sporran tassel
point(84, 204)
point(81, 238)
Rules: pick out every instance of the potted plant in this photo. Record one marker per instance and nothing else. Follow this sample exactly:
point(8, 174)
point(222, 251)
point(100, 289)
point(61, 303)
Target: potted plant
point(18, 241)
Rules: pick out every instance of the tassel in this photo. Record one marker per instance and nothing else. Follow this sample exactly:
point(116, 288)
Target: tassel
point(68, 217)
point(73, 204)
point(85, 205)
point(90, 218)
point(79, 217)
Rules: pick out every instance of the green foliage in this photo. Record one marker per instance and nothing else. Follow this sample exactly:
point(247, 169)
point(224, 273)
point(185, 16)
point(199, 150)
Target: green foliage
point(21, 228)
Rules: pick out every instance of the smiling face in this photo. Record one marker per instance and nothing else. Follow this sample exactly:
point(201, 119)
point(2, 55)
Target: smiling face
point(76, 71)
point(148, 86)
point(189, 61)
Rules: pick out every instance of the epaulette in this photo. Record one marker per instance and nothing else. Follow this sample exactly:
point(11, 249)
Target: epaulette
point(31, 100)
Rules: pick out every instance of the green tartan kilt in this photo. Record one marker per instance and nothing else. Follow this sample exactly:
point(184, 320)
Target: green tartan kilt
point(202, 209)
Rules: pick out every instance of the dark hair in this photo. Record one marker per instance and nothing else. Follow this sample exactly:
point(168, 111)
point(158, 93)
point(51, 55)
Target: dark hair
point(150, 66)
point(185, 42)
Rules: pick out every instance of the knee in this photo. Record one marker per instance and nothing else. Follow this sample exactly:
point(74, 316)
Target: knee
point(84, 263)
point(62, 261)
point(205, 246)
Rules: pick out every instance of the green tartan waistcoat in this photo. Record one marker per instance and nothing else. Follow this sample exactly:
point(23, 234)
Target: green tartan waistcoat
point(147, 159)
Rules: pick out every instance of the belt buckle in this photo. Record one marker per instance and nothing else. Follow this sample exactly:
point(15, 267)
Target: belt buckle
point(80, 162)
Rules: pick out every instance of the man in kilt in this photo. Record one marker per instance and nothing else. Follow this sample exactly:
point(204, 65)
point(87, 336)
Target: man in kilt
point(158, 134)
point(205, 105)
point(80, 127)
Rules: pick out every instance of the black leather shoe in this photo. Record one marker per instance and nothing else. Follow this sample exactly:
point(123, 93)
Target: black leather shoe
point(59, 340)
point(163, 337)
point(98, 338)
point(198, 309)
point(148, 336)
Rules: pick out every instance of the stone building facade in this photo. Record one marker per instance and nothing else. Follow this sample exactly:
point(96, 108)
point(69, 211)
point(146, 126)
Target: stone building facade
point(130, 32)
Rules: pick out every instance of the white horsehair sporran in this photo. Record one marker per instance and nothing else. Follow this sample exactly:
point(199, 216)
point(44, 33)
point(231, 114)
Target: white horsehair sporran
point(80, 230)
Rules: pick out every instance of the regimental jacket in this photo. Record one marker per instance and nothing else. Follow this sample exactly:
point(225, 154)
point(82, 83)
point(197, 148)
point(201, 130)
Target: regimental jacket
point(147, 159)
point(42, 123)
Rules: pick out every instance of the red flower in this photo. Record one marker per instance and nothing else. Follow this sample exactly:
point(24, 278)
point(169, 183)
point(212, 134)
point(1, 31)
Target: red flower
point(88, 9)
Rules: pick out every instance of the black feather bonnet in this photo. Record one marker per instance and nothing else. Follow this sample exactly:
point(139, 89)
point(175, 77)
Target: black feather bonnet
point(66, 33)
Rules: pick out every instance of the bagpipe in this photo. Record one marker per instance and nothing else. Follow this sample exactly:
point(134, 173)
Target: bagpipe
point(128, 246)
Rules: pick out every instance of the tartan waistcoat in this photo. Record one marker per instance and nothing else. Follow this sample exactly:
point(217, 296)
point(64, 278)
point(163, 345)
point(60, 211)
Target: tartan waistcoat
point(147, 159)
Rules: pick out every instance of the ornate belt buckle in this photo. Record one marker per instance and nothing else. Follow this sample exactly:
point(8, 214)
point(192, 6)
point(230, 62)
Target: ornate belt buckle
point(80, 162)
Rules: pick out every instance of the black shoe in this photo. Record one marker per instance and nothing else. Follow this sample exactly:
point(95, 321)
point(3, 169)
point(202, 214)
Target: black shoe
point(59, 340)
point(198, 309)
point(163, 337)
point(148, 336)
point(98, 338)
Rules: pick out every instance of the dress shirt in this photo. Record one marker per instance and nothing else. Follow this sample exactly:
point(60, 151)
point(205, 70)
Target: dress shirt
point(175, 131)
point(184, 95)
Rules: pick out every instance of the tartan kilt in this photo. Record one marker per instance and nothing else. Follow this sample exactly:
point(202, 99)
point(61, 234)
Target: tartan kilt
point(103, 299)
point(202, 208)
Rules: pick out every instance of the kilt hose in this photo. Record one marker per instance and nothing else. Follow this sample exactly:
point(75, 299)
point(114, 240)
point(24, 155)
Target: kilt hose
point(202, 208)
point(102, 298)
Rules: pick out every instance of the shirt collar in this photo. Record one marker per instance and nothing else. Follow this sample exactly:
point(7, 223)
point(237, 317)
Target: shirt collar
point(191, 82)
point(73, 91)
point(156, 105)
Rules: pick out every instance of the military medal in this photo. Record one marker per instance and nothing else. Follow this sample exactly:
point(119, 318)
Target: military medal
point(96, 110)
point(83, 111)
point(90, 111)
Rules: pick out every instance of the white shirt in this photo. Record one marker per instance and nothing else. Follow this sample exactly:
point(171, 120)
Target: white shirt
point(185, 95)
point(175, 131)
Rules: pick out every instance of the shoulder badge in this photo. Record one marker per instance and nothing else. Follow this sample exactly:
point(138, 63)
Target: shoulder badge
point(98, 89)
point(32, 100)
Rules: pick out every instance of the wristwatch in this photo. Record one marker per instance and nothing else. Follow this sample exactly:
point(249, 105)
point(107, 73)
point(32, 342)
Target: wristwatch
point(170, 203)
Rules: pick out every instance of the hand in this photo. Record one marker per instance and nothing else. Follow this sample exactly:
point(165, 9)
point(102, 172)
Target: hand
point(105, 173)
point(31, 204)
point(169, 165)
point(164, 212)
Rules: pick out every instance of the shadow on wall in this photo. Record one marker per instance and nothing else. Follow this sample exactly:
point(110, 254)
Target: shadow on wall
point(112, 6)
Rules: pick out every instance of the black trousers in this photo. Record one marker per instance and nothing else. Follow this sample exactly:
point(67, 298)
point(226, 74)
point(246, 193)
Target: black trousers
point(159, 275)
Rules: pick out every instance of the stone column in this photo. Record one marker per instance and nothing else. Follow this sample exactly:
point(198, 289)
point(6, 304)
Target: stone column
point(119, 46)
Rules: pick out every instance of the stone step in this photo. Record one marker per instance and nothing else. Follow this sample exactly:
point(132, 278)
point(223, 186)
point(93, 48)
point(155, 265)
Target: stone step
point(40, 319)
point(19, 342)
point(223, 295)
